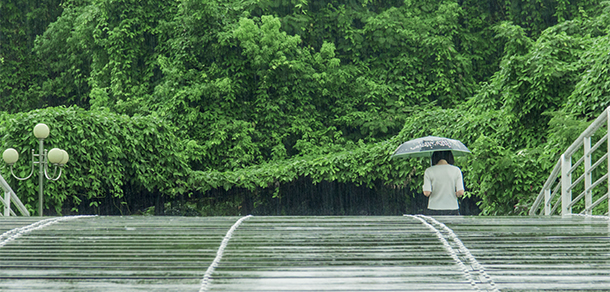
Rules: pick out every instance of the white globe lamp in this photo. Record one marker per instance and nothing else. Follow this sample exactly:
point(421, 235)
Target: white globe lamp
point(10, 156)
point(66, 158)
point(55, 155)
point(41, 131)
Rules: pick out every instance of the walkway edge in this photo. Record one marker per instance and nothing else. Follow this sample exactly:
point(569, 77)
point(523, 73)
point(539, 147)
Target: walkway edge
point(476, 268)
point(206, 277)
point(15, 233)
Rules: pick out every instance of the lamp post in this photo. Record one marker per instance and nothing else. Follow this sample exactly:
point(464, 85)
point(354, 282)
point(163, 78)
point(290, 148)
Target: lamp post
point(57, 157)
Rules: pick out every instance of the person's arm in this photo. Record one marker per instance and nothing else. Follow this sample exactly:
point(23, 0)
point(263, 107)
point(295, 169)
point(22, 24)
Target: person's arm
point(427, 188)
point(459, 193)
point(460, 185)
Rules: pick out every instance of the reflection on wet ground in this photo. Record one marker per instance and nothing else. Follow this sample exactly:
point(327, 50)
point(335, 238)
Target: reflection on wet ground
point(306, 254)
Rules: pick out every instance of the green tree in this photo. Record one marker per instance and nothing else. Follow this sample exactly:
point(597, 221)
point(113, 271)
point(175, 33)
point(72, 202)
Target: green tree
point(114, 159)
point(20, 23)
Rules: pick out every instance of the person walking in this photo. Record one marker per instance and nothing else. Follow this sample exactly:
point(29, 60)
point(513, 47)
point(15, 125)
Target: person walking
point(443, 185)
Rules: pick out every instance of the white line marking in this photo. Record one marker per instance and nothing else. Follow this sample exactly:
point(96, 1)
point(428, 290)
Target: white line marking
point(475, 267)
point(206, 277)
point(15, 233)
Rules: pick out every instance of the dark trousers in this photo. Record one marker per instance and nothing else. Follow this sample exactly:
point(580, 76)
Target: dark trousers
point(432, 212)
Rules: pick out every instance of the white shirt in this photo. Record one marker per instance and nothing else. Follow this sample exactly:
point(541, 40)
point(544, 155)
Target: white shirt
point(443, 181)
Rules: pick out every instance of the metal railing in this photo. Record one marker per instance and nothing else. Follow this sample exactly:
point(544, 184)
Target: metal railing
point(11, 197)
point(587, 168)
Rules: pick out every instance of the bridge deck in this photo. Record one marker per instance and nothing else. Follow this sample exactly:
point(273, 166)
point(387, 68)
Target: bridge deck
point(306, 254)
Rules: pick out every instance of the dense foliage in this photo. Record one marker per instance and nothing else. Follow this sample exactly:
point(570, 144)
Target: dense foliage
point(168, 103)
point(114, 158)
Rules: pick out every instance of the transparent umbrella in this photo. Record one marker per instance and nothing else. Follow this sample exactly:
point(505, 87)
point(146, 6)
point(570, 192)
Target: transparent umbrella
point(425, 146)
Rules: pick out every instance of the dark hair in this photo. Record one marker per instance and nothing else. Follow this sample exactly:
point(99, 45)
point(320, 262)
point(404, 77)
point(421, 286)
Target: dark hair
point(438, 155)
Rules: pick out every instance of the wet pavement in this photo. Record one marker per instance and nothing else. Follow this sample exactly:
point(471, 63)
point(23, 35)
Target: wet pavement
point(367, 253)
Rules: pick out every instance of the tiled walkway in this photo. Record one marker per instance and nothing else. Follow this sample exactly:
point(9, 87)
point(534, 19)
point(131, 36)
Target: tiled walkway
point(401, 253)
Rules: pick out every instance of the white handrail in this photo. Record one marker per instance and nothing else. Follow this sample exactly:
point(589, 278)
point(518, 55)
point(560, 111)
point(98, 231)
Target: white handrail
point(547, 186)
point(11, 197)
point(561, 175)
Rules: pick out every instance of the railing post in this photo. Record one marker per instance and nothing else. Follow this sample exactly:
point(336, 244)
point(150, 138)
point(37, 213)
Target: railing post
point(7, 203)
point(588, 191)
point(547, 202)
point(608, 142)
point(566, 182)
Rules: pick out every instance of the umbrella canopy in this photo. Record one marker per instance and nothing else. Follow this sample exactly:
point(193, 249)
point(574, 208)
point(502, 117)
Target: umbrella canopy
point(425, 146)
